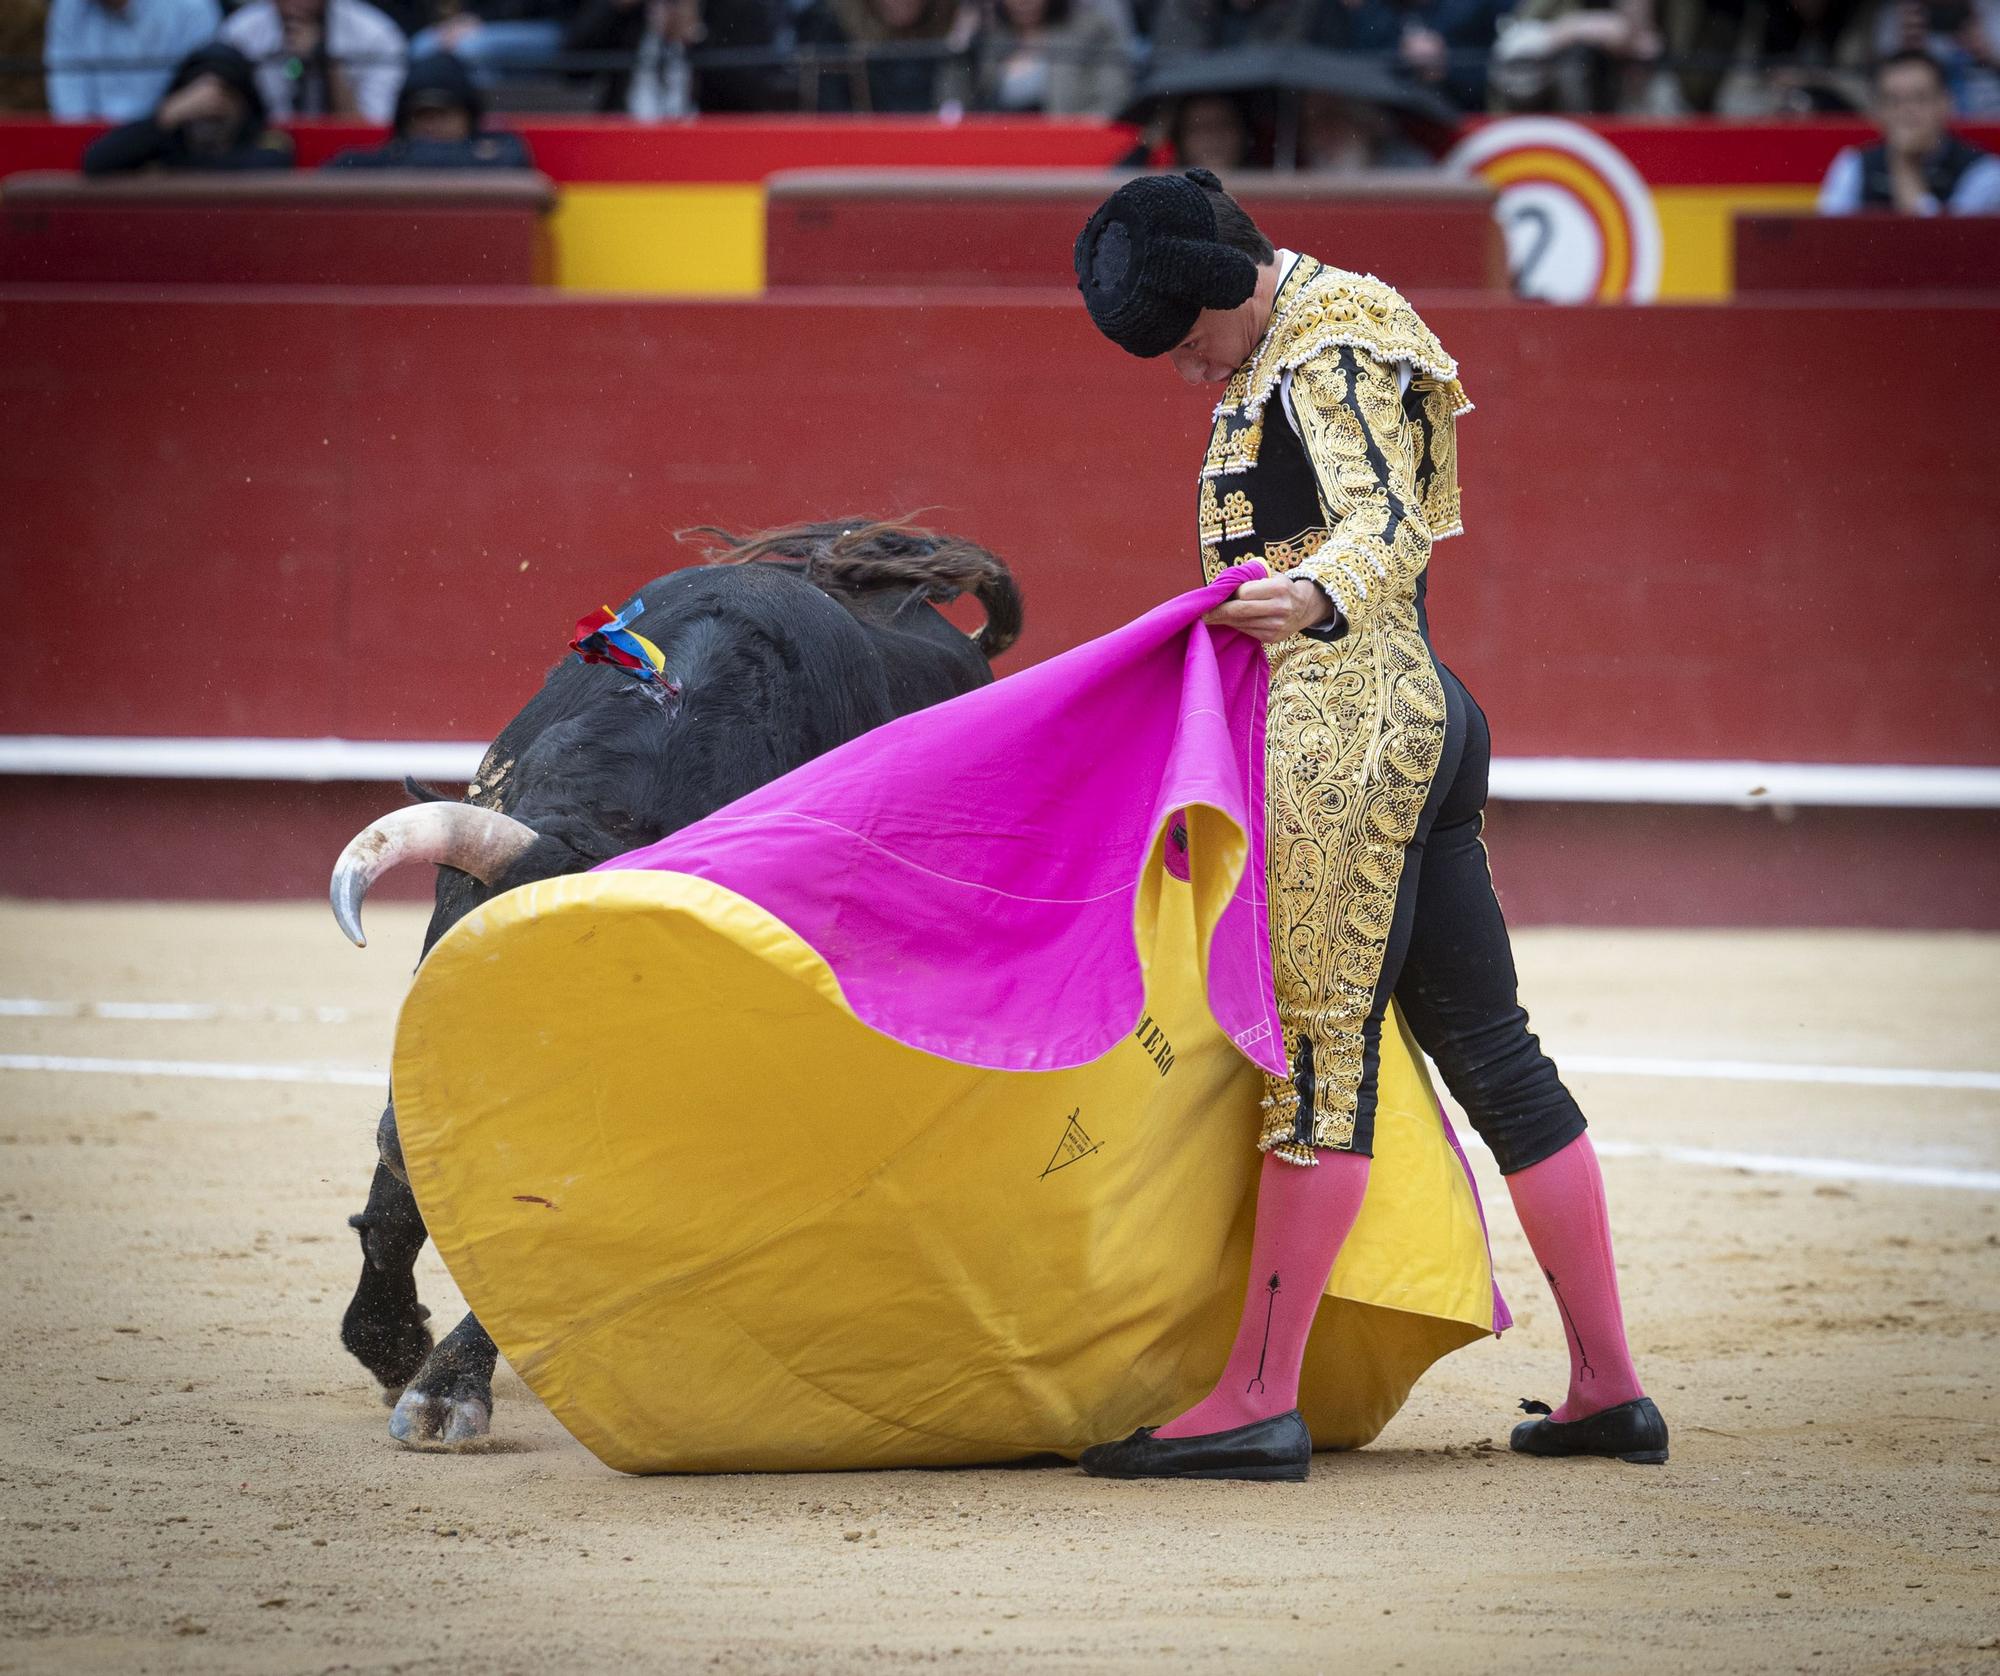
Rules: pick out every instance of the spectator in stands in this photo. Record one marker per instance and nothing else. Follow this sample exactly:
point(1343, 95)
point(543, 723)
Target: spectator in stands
point(321, 57)
point(495, 36)
point(1213, 131)
point(1760, 58)
point(412, 17)
point(1061, 57)
point(211, 117)
point(1920, 167)
point(1441, 44)
point(1338, 136)
point(1961, 36)
point(1204, 25)
point(1574, 55)
point(673, 45)
point(112, 59)
point(23, 28)
point(440, 124)
point(911, 53)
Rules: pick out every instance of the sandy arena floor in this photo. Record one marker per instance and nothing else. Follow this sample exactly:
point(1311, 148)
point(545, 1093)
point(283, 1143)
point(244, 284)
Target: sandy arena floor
point(194, 1477)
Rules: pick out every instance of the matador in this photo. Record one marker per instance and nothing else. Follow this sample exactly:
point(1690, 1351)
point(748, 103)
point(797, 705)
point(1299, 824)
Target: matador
point(1333, 461)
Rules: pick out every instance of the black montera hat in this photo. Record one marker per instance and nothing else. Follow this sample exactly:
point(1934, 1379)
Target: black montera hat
point(1148, 262)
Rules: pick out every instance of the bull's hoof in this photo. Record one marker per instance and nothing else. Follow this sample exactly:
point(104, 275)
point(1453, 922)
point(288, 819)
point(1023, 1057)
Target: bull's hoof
point(389, 1339)
point(426, 1421)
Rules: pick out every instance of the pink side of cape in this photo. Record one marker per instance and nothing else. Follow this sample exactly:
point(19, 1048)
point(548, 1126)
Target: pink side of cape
point(970, 872)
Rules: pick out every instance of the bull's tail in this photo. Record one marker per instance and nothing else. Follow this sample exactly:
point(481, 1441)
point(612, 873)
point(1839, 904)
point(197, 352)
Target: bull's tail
point(855, 555)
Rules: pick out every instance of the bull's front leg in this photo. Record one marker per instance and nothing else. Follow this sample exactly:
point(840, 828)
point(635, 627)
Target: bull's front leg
point(384, 1324)
point(450, 1401)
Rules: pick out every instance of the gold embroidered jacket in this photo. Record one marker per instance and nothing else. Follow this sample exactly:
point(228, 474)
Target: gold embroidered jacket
point(1357, 715)
point(1386, 465)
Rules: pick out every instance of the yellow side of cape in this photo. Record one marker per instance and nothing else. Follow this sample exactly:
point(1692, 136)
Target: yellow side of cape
point(718, 1224)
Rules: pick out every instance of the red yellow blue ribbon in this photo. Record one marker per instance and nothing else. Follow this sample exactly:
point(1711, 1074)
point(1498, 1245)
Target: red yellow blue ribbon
point(603, 637)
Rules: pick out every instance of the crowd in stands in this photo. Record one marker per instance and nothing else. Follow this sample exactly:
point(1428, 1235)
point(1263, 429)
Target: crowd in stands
point(214, 115)
point(1351, 82)
point(667, 58)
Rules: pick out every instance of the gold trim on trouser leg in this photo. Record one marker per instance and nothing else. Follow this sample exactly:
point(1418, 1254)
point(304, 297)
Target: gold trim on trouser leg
point(1353, 740)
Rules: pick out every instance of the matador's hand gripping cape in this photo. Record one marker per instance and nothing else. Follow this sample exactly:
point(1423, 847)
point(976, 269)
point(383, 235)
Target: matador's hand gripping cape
point(899, 1113)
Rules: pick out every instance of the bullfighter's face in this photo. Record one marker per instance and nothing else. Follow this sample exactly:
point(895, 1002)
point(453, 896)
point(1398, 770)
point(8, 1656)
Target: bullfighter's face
point(1224, 338)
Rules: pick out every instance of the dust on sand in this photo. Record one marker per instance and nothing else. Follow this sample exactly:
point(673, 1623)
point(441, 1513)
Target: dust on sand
point(194, 1476)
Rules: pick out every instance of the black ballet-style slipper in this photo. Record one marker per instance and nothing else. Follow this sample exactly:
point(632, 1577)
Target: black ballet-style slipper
point(1633, 1431)
point(1275, 1450)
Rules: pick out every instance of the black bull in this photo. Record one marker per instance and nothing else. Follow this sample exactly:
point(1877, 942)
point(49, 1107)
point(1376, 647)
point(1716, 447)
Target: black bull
point(800, 641)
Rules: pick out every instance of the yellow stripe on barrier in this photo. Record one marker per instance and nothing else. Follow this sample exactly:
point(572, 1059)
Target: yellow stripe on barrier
point(707, 239)
point(693, 240)
point(1698, 255)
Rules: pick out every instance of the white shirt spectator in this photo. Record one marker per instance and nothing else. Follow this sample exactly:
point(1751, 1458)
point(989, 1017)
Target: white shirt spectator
point(1977, 191)
point(368, 46)
point(113, 63)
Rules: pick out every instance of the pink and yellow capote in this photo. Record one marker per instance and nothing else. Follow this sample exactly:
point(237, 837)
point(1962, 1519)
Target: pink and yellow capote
point(904, 1112)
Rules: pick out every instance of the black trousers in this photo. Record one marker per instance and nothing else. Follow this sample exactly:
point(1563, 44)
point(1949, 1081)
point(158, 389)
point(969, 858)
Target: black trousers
point(1450, 967)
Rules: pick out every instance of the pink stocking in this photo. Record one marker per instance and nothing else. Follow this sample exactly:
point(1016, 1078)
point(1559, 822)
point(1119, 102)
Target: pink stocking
point(1560, 1202)
point(1303, 1215)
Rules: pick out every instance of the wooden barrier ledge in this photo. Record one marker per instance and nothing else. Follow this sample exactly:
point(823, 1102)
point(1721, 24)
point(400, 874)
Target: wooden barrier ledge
point(378, 227)
point(1015, 227)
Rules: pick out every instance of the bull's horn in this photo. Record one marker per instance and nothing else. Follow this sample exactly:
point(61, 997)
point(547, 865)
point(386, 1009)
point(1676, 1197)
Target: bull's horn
point(474, 840)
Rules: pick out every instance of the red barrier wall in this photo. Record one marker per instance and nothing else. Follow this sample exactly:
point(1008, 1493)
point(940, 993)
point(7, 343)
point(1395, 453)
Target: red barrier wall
point(1899, 253)
point(934, 227)
point(1701, 151)
point(1754, 532)
point(1564, 864)
point(348, 227)
point(600, 149)
point(1712, 151)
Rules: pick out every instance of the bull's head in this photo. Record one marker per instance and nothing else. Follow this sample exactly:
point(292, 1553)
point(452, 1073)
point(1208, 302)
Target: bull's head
point(481, 842)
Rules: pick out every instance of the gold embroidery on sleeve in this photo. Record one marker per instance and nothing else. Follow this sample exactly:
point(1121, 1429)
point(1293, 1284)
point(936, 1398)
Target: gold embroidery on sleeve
point(1360, 441)
point(1319, 309)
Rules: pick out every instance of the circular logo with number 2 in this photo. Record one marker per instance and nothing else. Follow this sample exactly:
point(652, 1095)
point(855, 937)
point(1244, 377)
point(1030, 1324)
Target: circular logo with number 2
point(1578, 219)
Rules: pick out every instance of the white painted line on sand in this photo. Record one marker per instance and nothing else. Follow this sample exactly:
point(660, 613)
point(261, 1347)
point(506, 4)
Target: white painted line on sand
point(210, 1070)
point(179, 1012)
point(357, 1076)
point(1588, 1064)
point(1824, 1169)
point(1749, 1070)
